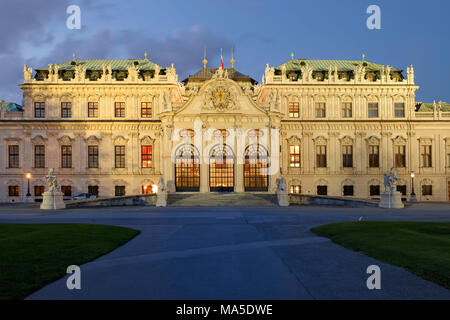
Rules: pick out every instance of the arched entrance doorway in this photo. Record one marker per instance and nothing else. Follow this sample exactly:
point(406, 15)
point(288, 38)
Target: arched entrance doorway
point(256, 168)
point(221, 169)
point(187, 168)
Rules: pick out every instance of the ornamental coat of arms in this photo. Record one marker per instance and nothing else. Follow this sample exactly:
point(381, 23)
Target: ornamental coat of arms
point(219, 98)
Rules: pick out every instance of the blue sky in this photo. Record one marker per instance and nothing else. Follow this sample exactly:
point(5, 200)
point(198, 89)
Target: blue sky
point(172, 31)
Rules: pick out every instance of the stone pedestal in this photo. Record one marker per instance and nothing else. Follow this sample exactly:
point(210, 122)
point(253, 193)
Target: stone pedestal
point(52, 200)
point(161, 198)
point(283, 198)
point(391, 200)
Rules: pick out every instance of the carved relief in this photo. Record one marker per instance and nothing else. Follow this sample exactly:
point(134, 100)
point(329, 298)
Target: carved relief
point(220, 97)
point(374, 141)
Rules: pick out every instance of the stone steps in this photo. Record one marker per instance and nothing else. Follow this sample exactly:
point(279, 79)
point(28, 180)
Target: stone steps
point(214, 199)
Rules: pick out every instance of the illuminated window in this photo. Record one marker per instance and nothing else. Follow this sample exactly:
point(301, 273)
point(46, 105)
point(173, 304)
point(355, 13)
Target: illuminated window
point(38, 191)
point(146, 156)
point(294, 156)
point(119, 109)
point(146, 109)
point(13, 191)
point(295, 189)
point(294, 110)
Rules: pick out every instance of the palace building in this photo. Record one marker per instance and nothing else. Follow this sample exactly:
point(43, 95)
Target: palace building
point(329, 127)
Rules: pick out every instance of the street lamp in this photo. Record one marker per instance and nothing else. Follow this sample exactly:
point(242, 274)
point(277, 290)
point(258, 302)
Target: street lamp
point(413, 195)
point(28, 196)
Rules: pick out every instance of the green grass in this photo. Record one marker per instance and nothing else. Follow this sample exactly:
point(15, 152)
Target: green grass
point(33, 255)
point(423, 248)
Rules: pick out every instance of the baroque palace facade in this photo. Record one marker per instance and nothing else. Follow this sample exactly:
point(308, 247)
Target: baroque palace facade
point(330, 127)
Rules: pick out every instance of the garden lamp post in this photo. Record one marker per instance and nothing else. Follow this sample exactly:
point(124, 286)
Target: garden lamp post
point(413, 195)
point(28, 196)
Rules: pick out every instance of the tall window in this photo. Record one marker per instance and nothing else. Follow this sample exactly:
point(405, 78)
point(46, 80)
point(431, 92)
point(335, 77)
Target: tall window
point(39, 156)
point(39, 110)
point(119, 153)
point(66, 190)
point(347, 110)
point(146, 156)
point(426, 156)
point(66, 156)
point(13, 156)
point(399, 110)
point(13, 191)
point(320, 110)
point(119, 191)
point(92, 156)
point(448, 156)
point(38, 191)
point(321, 156)
point(347, 156)
point(119, 109)
point(374, 156)
point(146, 109)
point(400, 156)
point(373, 110)
point(66, 110)
point(294, 110)
point(93, 109)
point(294, 156)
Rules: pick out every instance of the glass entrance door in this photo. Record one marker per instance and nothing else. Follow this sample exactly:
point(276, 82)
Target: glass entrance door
point(256, 168)
point(187, 169)
point(221, 169)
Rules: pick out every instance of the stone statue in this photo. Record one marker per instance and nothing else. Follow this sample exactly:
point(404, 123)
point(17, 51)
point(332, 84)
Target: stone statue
point(161, 186)
point(51, 181)
point(53, 198)
point(161, 194)
point(390, 181)
point(27, 73)
point(282, 193)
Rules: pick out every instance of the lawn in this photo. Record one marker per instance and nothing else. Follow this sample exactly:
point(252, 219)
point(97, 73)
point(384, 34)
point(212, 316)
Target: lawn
point(423, 248)
point(33, 255)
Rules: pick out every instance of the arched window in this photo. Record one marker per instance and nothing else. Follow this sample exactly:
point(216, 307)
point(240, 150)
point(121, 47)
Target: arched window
point(256, 167)
point(221, 169)
point(187, 168)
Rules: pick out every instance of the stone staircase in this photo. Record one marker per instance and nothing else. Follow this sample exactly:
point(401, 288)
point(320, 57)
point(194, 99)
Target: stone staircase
point(217, 199)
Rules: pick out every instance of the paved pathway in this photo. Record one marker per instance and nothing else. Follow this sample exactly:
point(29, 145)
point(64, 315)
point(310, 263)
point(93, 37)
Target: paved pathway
point(233, 253)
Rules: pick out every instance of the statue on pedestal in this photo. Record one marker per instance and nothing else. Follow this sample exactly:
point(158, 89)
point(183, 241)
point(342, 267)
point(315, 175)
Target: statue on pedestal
point(282, 193)
point(161, 194)
point(53, 198)
point(391, 198)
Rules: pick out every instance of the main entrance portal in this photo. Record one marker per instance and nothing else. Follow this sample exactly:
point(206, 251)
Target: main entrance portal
point(187, 169)
point(256, 168)
point(221, 169)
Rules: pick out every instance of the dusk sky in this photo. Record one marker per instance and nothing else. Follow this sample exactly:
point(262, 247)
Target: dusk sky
point(172, 31)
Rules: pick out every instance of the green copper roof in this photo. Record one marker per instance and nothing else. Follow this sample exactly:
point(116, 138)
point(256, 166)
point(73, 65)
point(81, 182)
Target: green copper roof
point(11, 106)
point(208, 73)
point(429, 107)
point(324, 65)
point(116, 64)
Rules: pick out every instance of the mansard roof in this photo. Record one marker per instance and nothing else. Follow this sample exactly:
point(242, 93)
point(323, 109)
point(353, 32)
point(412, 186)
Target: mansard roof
point(10, 106)
point(324, 65)
point(429, 107)
point(97, 64)
point(208, 73)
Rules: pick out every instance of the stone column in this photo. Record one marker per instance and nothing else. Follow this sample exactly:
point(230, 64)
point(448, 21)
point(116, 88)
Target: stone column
point(239, 161)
